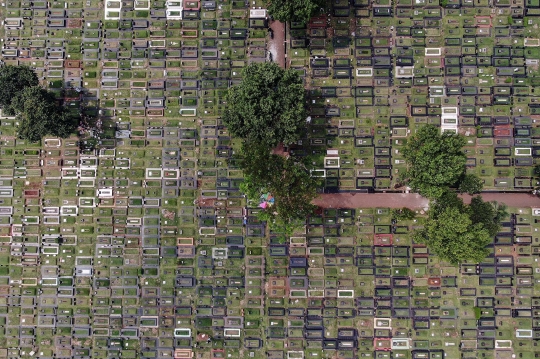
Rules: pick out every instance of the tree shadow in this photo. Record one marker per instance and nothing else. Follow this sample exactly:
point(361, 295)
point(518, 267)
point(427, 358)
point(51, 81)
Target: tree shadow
point(98, 128)
point(316, 139)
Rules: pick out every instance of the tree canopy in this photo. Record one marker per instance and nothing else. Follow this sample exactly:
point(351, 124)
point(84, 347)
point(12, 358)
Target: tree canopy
point(36, 109)
point(287, 179)
point(457, 232)
point(536, 170)
point(489, 214)
point(470, 184)
point(13, 80)
point(268, 106)
point(294, 10)
point(436, 161)
point(402, 214)
point(454, 237)
point(266, 109)
point(39, 114)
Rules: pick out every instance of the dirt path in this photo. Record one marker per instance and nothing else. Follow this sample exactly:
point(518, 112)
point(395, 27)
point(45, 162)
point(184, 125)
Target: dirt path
point(277, 45)
point(510, 199)
point(370, 200)
point(413, 200)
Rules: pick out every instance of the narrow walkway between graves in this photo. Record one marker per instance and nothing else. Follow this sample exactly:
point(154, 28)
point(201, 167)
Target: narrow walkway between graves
point(413, 200)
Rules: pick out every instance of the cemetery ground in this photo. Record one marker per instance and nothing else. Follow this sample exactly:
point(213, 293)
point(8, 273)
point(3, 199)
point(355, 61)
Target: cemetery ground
point(133, 239)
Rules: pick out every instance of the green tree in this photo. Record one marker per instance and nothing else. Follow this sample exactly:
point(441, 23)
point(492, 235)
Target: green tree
point(536, 180)
point(471, 184)
point(454, 237)
point(40, 115)
point(402, 214)
point(294, 10)
point(447, 199)
point(13, 80)
point(456, 231)
point(294, 190)
point(267, 107)
point(537, 170)
point(489, 214)
point(435, 160)
point(288, 180)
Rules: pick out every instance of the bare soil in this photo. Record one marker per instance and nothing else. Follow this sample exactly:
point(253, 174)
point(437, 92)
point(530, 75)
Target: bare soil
point(277, 45)
point(413, 200)
point(371, 200)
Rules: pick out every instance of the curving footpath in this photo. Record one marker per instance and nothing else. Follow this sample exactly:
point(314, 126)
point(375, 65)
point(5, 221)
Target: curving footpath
point(414, 200)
